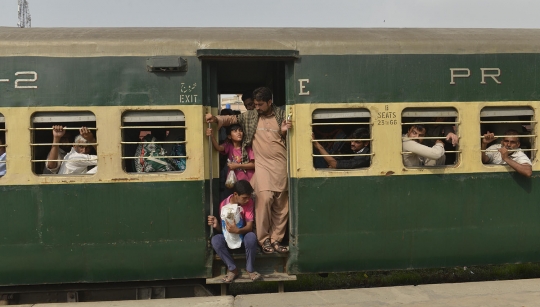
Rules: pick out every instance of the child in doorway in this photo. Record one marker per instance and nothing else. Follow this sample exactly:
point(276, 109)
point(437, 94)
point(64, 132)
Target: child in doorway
point(232, 147)
point(242, 196)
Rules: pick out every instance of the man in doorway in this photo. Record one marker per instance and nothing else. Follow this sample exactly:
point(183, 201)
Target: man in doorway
point(359, 146)
point(265, 130)
point(418, 153)
point(500, 153)
point(247, 98)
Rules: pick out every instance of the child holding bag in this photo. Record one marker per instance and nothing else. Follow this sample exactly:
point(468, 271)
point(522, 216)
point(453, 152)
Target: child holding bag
point(232, 147)
point(242, 197)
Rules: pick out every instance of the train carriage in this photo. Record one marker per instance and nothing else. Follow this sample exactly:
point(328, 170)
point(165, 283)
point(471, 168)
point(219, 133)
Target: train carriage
point(123, 225)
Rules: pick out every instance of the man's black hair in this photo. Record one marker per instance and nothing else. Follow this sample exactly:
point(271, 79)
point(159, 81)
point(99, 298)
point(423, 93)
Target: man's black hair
point(360, 133)
point(418, 127)
point(226, 112)
point(262, 94)
point(246, 95)
point(243, 187)
point(233, 127)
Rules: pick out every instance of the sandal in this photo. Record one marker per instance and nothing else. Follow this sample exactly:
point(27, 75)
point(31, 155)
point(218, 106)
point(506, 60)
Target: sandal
point(282, 249)
point(229, 277)
point(254, 276)
point(267, 247)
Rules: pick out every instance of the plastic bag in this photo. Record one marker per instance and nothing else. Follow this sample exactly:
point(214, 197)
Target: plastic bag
point(231, 180)
point(232, 214)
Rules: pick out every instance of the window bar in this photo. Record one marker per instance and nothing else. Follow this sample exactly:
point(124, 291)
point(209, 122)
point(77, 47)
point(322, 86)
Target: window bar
point(89, 128)
point(431, 123)
point(341, 140)
point(344, 155)
point(155, 157)
point(167, 142)
point(151, 127)
point(3, 130)
point(325, 124)
point(510, 150)
point(428, 138)
point(517, 136)
point(64, 160)
point(72, 144)
point(446, 151)
point(508, 122)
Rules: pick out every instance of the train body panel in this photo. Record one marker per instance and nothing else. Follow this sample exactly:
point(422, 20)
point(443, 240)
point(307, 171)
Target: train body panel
point(103, 232)
point(120, 225)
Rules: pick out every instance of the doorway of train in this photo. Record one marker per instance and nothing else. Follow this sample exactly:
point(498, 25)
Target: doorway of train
point(232, 74)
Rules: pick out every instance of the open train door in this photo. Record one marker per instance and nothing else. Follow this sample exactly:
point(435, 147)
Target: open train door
point(230, 71)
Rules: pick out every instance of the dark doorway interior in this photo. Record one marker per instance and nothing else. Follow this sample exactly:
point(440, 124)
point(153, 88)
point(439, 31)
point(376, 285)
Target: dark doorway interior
point(240, 75)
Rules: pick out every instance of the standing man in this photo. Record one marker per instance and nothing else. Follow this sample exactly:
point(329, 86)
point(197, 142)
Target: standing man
point(265, 130)
point(247, 98)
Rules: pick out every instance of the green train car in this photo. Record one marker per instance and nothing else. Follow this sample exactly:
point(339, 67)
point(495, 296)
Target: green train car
point(119, 225)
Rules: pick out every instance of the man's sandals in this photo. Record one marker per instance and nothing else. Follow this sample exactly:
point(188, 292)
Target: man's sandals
point(267, 247)
point(282, 249)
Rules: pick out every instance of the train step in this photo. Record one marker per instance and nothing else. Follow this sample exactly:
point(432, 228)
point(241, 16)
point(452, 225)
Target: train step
point(244, 277)
point(280, 278)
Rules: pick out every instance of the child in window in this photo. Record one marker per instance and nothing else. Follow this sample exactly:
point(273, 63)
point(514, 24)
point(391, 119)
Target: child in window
point(232, 147)
point(242, 196)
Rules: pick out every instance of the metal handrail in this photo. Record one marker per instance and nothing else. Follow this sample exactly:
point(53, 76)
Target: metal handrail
point(332, 140)
point(151, 127)
point(167, 142)
point(64, 128)
point(325, 124)
point(155, 157)
point(73, 144)
point(507, 121)
point(344, 155)
point(431, 123)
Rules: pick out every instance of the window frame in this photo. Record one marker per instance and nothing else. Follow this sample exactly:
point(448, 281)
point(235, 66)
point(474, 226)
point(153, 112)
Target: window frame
point(430, 112)
point(65, 118)
point(152, 116)
point(509, 111)
point(337, 114)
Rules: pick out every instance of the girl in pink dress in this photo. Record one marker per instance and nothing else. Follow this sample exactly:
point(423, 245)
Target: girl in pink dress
point(232, 147)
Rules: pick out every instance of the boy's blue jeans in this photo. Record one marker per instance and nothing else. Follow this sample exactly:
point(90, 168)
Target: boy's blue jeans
point(250, 243)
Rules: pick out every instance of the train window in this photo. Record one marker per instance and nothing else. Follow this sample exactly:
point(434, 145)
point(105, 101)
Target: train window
point(430, 137)
point(503, 121)
point(60, 151)
point(153, 141)
point(341, 138)
point(2, 145)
